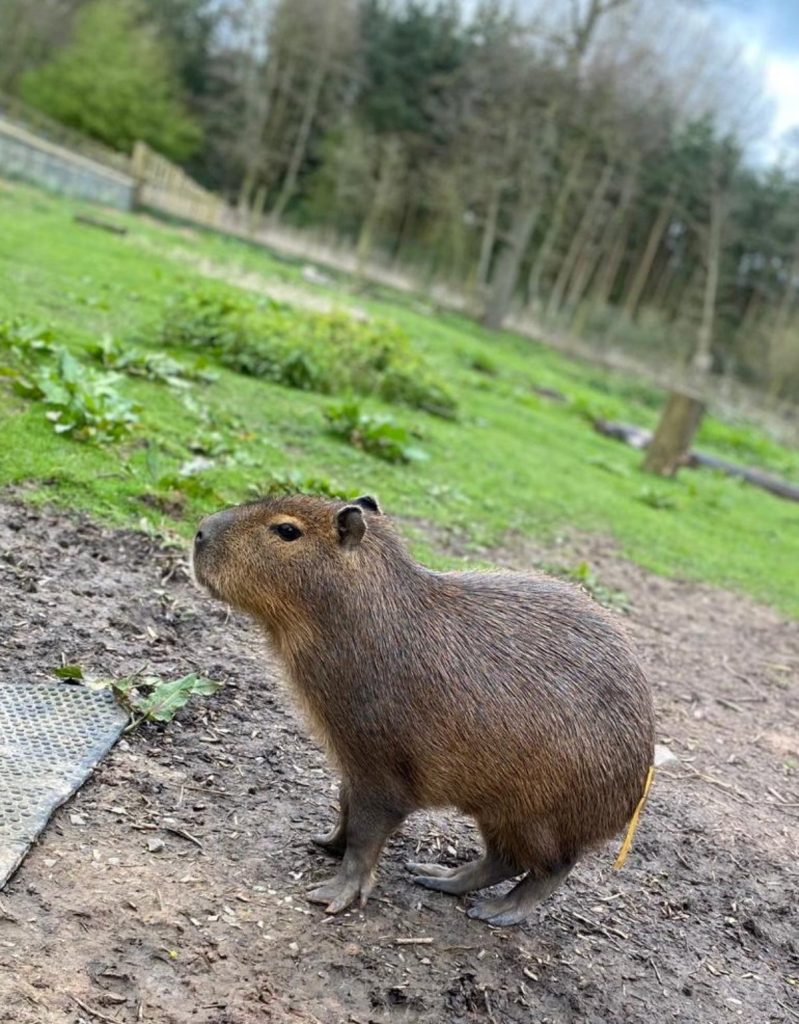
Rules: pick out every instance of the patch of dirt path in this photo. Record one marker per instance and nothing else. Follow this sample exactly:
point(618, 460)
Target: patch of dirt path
point(213, 928)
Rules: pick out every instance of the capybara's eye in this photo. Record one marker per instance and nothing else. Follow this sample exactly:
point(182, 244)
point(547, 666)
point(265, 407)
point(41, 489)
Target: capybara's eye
point(287, 531)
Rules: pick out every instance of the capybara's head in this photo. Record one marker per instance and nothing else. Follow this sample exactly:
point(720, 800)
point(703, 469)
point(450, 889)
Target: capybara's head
point(269, 556)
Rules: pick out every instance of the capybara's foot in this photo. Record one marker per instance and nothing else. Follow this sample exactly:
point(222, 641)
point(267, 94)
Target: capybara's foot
point(429, 870)
point(477, 874)
point(334, 843)
point(341, 892)
point(516, 907)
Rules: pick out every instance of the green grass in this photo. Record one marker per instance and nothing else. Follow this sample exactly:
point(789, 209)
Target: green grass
point(512, 461)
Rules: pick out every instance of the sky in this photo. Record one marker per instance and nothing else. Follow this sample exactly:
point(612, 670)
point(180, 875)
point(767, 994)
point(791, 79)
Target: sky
point(769, 33)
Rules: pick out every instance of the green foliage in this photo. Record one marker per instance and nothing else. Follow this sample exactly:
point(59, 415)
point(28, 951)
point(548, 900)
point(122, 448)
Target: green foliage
point(292, 481)
point(147, 698)
point(505, 469)
point(378, 435)
point(656, 498)
point(481, 362)
point(27, 340)
point(114, 82)
point(79, 402)
point(616, 468)
point(68, 672)
point(153, 699)
point(326, 352)
point(408, 51)
point(583, 574)
point(112, 354)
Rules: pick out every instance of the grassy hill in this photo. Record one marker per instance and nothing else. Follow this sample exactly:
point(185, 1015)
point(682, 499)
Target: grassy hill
point(145, 386)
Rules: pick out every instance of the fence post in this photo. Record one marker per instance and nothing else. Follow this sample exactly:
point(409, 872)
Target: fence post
point(137, 164)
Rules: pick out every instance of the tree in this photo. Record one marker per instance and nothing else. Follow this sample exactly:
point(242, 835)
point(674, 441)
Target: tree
point(114, 82)
point(28, 34)
point(565, 93)
point(669, 447)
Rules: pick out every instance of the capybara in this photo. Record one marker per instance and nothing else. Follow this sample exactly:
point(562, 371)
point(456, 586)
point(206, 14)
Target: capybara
point(511, 696)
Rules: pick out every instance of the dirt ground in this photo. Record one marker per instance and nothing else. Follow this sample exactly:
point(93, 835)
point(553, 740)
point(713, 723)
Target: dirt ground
point(700, 926)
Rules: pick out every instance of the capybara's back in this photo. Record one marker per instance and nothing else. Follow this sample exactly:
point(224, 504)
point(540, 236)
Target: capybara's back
point(510, 696)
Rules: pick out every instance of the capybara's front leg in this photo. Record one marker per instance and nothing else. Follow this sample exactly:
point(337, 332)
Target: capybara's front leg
point(370, 821)
point(335, 841)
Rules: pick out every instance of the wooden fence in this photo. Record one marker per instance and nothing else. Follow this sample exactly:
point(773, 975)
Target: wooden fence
point(165, 187)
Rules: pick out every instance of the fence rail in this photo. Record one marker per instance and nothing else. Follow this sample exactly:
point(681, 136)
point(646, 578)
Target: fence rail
point(164, 187)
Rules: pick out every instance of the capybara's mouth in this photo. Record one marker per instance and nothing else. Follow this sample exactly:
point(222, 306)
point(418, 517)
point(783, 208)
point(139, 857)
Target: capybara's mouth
point(198, 573)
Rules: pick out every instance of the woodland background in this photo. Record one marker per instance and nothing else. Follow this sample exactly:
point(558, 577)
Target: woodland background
point(584, 165)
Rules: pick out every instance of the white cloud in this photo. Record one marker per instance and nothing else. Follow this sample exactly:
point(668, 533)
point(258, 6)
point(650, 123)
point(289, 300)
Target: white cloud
point(782, 84)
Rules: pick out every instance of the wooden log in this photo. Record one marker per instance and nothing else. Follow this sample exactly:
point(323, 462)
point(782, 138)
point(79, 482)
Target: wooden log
point(103, 225)
point(639, 437)
point(669, 447)
point(752, 475)
point(636, 437)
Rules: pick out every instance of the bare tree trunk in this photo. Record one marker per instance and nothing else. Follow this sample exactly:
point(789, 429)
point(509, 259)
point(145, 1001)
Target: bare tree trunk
point(588, 264)
point(488, 239)
point(641, 276)
point(389, 159)
point(614, 242)
point(664, 275)
point(702, 357)
point(542, 257)
point(750, 315)
point(246, 188)
point(788, 296)
point(506, 268)
point(300, 147)
point(778, 339)
point(580, 240)
point(256, 211)
point(583, 29)
point(609, 270)
point(669, 447)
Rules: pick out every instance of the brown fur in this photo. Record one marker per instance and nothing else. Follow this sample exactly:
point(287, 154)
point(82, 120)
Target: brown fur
point(513, 697)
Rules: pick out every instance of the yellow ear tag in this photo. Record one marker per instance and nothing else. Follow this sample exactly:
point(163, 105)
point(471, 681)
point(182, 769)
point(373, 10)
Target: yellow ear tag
point(618, 863)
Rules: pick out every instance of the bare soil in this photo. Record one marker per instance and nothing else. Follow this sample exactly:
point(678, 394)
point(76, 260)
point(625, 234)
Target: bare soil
point(701, 925)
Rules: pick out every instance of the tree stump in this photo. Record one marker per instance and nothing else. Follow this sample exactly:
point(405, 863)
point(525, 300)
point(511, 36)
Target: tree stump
point(668, 449)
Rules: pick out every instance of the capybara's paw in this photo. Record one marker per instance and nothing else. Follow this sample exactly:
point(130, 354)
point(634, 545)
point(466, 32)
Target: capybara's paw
point(498, 913)
point(428, 870)
point(340, 893)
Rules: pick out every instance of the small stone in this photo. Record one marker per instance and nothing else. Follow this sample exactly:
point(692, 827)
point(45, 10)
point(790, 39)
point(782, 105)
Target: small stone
point(663, 755)
point(155, 845)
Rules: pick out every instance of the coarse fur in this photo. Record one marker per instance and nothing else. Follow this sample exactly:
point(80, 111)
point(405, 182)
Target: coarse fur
point(513, 697)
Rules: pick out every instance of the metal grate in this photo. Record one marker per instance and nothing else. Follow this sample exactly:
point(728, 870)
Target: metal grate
point(51, 736)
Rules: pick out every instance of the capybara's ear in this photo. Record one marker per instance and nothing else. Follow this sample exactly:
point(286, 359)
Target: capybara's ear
point(351, 526)
point(368, 502)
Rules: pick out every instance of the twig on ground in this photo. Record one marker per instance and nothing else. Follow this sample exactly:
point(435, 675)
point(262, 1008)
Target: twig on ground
point(183, 835)
point(92, 1012)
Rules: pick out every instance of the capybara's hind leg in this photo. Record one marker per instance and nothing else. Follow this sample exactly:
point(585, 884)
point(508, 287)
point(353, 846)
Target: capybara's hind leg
point(519, 902)
point(477, 874)
point(335, 841)
point(371, 818)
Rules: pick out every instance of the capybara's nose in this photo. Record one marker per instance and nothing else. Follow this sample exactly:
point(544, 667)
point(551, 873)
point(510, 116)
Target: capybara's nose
point(210, 528)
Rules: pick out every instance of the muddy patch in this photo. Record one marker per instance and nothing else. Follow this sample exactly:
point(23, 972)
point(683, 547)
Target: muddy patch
point(171, 889)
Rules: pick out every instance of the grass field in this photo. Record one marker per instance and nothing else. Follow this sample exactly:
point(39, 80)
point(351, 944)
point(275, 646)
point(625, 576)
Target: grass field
point(511, 461)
